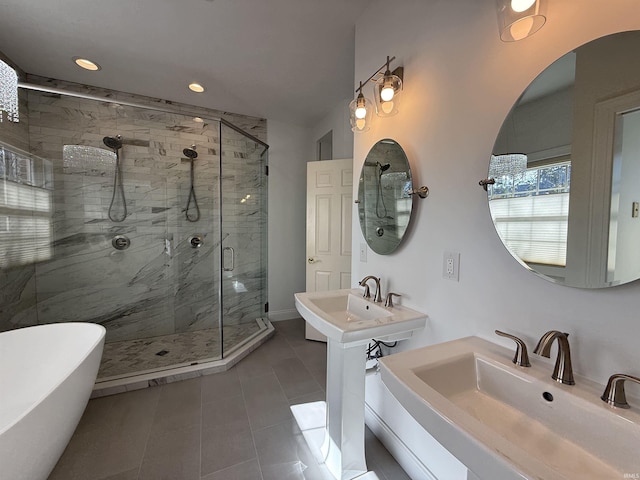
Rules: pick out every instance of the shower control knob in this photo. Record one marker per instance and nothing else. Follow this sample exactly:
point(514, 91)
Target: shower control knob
point(120, 242)
point(196, 241)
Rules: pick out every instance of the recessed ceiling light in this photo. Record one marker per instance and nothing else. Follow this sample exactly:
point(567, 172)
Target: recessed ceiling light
point(198, 120)
point(86, 64)
point(196, 87)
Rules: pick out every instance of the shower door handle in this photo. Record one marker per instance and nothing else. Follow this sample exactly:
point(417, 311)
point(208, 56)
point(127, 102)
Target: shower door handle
point(233, 259)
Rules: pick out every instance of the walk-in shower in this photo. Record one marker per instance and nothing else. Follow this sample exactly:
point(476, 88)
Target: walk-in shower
point(177, 289)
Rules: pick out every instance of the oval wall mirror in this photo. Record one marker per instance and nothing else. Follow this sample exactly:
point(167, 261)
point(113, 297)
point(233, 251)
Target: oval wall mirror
point(566, 166)
point(384, 196)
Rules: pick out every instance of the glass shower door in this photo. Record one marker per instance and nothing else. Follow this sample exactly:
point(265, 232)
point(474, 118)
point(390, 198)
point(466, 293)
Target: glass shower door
point(243, 226)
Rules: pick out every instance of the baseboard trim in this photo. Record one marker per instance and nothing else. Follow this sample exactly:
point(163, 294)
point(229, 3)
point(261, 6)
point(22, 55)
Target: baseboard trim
point(400, 451)
point(283, 315)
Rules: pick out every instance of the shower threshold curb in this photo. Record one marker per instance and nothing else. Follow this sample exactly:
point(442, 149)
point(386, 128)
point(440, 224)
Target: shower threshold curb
point(176, 374)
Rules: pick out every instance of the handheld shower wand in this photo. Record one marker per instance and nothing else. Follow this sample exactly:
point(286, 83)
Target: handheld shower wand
point(191, 154)
point(115, 144)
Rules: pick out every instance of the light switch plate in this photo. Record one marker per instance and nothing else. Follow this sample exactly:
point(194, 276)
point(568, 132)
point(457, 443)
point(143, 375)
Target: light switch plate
point(363, 252)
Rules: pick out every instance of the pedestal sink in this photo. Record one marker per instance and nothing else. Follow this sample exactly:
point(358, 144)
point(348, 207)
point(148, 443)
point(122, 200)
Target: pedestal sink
point(335, 429)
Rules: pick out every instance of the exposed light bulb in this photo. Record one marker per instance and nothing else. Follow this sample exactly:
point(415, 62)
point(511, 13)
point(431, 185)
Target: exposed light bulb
point(387, 92)
point(522, 28)
point(521, 5)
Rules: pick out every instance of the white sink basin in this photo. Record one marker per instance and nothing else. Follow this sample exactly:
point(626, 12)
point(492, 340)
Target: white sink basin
point(346, 317)
point(509, 422)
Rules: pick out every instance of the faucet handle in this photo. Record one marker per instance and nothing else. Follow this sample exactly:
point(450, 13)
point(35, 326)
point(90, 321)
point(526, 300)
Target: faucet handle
point(614, 392)
point(521, 358)
point(367, 292)
point(389, 299)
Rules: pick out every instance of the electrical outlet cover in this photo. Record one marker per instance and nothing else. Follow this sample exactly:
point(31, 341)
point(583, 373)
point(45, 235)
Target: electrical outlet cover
point(451, 266)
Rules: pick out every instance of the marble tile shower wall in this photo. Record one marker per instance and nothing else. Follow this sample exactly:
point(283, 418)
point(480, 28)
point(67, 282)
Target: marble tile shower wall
point(160, 284)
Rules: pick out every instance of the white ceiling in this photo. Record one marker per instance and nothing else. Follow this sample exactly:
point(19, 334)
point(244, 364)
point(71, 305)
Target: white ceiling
point(290, 60)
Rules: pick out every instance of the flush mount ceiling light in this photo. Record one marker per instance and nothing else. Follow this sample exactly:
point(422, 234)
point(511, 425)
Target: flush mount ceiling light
point(196, 87)
point(8, 93)
point(387, 91)
point(86, 64)
point(518, 19)
point(360, 112)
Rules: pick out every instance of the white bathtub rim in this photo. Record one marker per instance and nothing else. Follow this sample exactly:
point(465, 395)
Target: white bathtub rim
point(79, 361)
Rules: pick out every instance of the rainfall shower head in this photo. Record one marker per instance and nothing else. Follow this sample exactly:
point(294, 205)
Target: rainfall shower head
point(190, 152)
point(115, 143)
point(385, 167)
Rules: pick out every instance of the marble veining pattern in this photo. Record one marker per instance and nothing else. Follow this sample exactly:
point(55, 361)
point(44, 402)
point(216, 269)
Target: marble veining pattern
point(160, 285)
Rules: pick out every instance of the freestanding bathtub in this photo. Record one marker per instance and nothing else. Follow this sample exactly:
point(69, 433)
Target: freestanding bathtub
point(47, 373)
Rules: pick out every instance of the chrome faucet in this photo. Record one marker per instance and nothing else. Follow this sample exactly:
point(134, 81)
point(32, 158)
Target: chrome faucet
point(614, 393)
point(563, 371)
point(367, 294)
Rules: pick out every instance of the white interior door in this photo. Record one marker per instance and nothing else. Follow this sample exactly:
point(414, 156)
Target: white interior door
point(329, 211)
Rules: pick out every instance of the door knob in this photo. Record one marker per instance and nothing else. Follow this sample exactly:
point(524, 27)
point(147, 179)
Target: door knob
point(311, 260)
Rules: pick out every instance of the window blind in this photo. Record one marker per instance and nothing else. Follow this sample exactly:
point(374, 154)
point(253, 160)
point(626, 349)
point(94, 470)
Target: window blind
point(534, 227)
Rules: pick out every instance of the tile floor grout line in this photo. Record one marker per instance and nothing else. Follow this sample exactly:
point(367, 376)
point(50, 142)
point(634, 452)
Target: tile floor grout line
point(146, 443)
point(253, 439)
point(201, 430)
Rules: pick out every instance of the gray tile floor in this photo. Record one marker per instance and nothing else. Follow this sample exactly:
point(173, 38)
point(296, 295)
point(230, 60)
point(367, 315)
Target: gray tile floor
point(234, 425)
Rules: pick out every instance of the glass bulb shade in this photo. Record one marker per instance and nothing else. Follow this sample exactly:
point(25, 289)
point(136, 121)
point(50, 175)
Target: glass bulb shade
point(388, 90)
point(360, 114)
point(387, 107)
point(518, 19)
point(388, 93)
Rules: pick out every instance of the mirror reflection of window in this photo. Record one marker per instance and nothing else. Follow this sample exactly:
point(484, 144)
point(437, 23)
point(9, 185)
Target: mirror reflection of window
point(531, 212)
point(583, 109)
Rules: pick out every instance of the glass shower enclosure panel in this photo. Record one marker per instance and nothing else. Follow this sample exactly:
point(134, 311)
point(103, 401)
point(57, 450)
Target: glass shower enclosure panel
point(243, 226)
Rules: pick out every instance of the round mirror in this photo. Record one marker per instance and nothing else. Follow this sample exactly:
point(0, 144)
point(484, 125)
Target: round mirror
point(566, 166)
point(384, 196)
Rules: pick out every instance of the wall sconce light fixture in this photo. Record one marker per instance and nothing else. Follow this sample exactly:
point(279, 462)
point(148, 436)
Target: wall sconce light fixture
point(360, 112)
point(8, 92)
point(518, 19)
point(387, 94)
